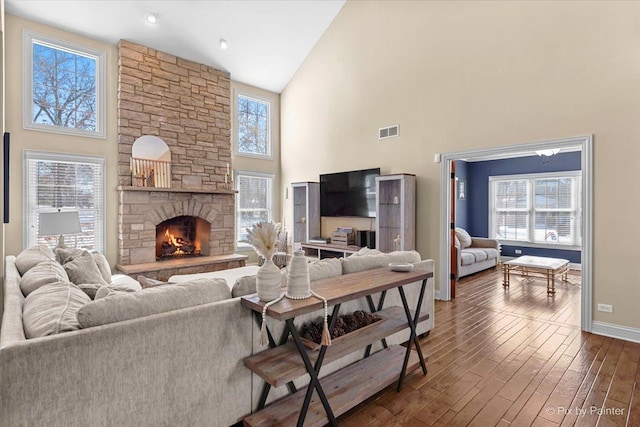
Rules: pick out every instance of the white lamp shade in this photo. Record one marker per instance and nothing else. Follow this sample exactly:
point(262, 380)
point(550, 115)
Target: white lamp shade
point(59, 223)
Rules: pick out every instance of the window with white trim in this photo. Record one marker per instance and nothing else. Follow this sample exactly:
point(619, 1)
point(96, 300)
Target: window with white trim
point(64, 182)
point(252, 126)
point(543, 209)
point(254, 202)
point(63, 87)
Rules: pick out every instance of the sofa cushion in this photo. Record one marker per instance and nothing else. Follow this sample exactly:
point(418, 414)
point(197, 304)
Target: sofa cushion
point(479, 255)
point(491, 253)
point(149, 301)
point(354, 264)
point(44, 273)
point(366, 251)
point(467, 258)
point(33, 256)
point(82, 269)
point(464, 237)
point(52, 309)
point(103, 265)
point(105, 291)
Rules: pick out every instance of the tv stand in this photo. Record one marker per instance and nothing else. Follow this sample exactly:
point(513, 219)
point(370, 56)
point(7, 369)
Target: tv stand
point(328, 250)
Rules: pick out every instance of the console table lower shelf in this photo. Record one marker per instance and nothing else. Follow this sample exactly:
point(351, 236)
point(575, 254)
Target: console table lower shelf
point(344, 389)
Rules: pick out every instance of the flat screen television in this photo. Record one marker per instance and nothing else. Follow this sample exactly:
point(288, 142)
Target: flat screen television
point(349, 193)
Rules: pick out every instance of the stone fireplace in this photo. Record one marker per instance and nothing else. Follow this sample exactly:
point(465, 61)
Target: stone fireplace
point(188, 106)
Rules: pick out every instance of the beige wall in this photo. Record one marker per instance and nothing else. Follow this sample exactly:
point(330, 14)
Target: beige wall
point(22, 139)
point(467, 75)
point(268, 166)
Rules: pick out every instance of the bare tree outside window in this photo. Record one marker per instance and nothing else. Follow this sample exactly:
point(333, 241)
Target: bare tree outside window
point(252, 116)
point(64, 88)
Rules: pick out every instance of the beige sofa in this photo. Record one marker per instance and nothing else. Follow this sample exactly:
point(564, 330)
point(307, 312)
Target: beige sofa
point(482, 254)
point(182, 367)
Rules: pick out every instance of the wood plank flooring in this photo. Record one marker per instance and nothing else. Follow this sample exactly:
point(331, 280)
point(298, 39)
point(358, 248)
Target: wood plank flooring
point(512, 358)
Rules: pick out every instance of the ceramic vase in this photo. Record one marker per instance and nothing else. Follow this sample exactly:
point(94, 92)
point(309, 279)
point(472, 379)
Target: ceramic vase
point(268, 281)
point(298, 283)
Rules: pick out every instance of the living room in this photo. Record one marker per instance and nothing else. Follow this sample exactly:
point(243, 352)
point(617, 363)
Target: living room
point(455, 76)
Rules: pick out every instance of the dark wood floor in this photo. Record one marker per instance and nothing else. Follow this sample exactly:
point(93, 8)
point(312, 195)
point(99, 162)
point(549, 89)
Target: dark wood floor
point(516, 357)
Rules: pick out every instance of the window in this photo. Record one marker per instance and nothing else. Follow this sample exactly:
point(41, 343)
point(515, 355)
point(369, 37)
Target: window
point(66, 182)
point(254, 202)
point(542, 209)
point(63, 87)
point(253, 126)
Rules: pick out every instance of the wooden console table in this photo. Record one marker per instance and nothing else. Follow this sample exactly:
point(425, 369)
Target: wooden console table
point(316, 249)
point(283, 363)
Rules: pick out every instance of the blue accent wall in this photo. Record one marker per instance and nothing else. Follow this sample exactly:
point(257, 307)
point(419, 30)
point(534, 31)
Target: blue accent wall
point(476, 212)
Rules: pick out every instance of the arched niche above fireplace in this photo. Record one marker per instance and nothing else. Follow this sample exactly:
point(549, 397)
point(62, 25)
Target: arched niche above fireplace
point(150, 162)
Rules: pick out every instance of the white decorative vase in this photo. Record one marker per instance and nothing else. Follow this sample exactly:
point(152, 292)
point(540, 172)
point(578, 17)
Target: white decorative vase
point(268, 281)
point(298, 283)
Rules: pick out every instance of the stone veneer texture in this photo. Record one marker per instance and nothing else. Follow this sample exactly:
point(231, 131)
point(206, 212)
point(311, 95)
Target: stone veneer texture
point(185, 103)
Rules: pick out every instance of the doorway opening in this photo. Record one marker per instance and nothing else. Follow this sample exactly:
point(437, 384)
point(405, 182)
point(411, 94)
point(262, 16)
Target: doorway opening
point(449, 192)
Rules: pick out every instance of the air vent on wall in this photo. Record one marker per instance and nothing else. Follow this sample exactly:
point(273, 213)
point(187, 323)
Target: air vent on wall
point(389, 132)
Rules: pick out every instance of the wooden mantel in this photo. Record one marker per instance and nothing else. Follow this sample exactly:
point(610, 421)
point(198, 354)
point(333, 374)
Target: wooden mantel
point(175, 190)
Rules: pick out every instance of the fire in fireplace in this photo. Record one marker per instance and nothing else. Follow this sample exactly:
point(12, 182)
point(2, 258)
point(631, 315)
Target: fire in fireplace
point(182, 236)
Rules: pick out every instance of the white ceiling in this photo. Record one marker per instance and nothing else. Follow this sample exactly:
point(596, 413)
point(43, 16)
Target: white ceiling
point(268, 40)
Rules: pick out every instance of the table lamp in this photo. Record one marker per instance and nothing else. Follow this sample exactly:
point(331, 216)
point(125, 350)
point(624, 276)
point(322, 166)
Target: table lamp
point(51, 223)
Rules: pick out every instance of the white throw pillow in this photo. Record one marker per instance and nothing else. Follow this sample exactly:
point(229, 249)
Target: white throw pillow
point(464, 237)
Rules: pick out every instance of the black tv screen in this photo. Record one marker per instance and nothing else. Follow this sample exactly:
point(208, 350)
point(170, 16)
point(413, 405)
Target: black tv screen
point(349, 193)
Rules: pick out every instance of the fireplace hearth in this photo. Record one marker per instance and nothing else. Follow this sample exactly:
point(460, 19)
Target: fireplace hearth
point(182, 237)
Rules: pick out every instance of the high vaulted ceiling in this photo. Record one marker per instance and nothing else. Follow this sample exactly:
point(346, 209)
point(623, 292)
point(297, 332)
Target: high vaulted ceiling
point(268, 40)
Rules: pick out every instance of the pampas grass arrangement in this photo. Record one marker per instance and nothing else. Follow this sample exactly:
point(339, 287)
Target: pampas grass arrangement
point(263, 236)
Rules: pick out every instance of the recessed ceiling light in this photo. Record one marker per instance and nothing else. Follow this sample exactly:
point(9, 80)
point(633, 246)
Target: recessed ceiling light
point(224, 44)
point(152, 18)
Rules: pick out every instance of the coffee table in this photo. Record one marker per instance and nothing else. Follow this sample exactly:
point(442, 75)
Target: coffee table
point(537, 266)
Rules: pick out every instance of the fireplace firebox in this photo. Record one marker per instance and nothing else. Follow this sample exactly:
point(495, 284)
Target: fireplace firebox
point(182, 236)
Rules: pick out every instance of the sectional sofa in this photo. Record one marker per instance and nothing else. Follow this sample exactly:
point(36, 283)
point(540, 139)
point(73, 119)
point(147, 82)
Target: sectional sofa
point(176, 367)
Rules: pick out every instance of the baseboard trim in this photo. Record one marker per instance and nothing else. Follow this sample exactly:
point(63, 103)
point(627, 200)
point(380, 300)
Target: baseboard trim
point(436, 295)
point(615, 331)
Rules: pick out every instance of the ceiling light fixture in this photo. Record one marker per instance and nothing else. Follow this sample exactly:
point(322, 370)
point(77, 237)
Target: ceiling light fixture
point(224, 44)
point(152, 18)
point(548, 152)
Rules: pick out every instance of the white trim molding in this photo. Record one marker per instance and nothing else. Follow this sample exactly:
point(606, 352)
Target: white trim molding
point(581, 143)
point(616, 331)
point(28, 39)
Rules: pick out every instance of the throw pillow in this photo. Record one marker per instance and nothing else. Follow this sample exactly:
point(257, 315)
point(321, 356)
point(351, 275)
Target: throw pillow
point(42, 274)
point(147, 282)
point(83, 269)
point(244, 286)
point(403, 256)
point(124, 281)
point(361, 263)
point(105, 291)
point(103, 266)
point(52, 309)
point(33, 256)
point(464, 237)
point(65, 253)
point(457, 241)
point(149, 301)
point(91, 289)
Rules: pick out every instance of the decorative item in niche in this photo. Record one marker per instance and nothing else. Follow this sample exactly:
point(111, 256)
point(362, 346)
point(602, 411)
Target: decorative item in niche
point(462, 190)
point(150, 163)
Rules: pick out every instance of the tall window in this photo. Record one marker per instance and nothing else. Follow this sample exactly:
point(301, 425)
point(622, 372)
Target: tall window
point(254, 202)
point(537, 208)
point(66, 182)
point(63, 87)
point(253, 126)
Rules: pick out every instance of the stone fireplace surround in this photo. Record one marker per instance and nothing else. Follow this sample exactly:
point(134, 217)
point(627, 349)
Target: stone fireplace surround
point(188, 105)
